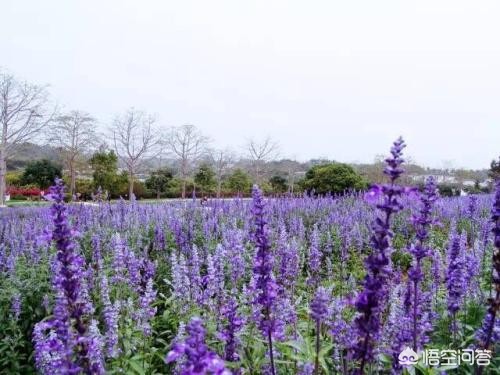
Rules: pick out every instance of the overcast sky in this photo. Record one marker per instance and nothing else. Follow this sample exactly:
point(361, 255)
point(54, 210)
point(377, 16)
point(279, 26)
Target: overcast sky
point(336, 79)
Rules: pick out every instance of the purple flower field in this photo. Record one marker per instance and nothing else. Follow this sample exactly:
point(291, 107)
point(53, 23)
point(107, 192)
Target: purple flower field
point(297, 285)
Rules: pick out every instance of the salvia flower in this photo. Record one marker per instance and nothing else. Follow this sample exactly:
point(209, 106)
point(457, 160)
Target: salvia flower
point(319, 312)
point(314, 259)
point(111, 317)
point(197, 357)
point(233, 325)
point(319, 304)
point(266, 288)
point(419, 250)
point(455, 276)
point(146, 309)
point(370, 301)
point(65, 344)
point(490, 331)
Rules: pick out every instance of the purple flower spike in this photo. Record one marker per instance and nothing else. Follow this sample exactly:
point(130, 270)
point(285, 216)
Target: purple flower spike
point(319, 305)
point(370, 301)
point(67, 343)
point(490, 331)
point(265, 284)
point(198, 359)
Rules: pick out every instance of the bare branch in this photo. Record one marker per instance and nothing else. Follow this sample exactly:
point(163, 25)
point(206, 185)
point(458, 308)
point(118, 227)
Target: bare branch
point(188, 145)
point(135, 141)
point(222, 161)
point(75, 134)
point(24, 114)
point(260, 152)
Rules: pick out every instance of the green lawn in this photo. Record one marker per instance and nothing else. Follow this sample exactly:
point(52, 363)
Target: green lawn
point(25, 203)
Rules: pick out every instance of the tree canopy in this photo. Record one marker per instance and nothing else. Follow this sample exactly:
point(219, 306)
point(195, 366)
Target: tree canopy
point(159, 181)
point(494, 172)
point(239, 181)
point(41, 173)
point(105, 166)
point(205, 178)
point(278, 183)
point(335, 178)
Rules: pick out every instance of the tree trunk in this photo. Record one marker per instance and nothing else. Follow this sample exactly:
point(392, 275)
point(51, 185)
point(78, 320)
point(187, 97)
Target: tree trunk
point(3, 171)
point(183, 176)
point(130, 184)
point(158, 193)
point(73, 181)
point(3, 164)
point(183, 193)
point(219, 183)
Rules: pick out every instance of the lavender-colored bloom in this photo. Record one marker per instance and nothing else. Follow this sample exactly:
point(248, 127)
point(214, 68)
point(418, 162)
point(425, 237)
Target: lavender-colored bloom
point(96, 252)
point(306, 369)
point(195, 278)
point(235, 250)
point(472, 207)
point(146, 310)
point(64, 343)
point(209, 285)
point(419, 250)
point(370, 302)
point(319, 304)
point(159, 238)
point(95, 345)
point(133, 269)
point(472, 269)
point(119, 258)
point(455, 273)
point(339, 328)
point(180, 280)
point(490, 331)
point(229, 333)
point(319, 312)
point(289, 263)
point(265, 285)
point(455, 276)
point(314, 259)
point(111, 316)
point(197, 358)
point(51, 355)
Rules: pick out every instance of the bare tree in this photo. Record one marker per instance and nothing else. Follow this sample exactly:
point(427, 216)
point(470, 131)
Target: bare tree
point(135, 140)
point(23, 114)
point(221, 160)
point(292, 168)
point(260, 152)
point(75, 134)
point(188, 145)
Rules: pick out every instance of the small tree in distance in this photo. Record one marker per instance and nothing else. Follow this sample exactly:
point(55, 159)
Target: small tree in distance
point(105, 166)
point(135, 140)
point(187, 144)
point(260, 152)
point(335, 178)
point(279, 184)
point(41, 173)
point(239, 182)
point(75, 134)
point(494, 171)
point(24, 114)
point(205, 178)
point(221, 160)
point(158, 181)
